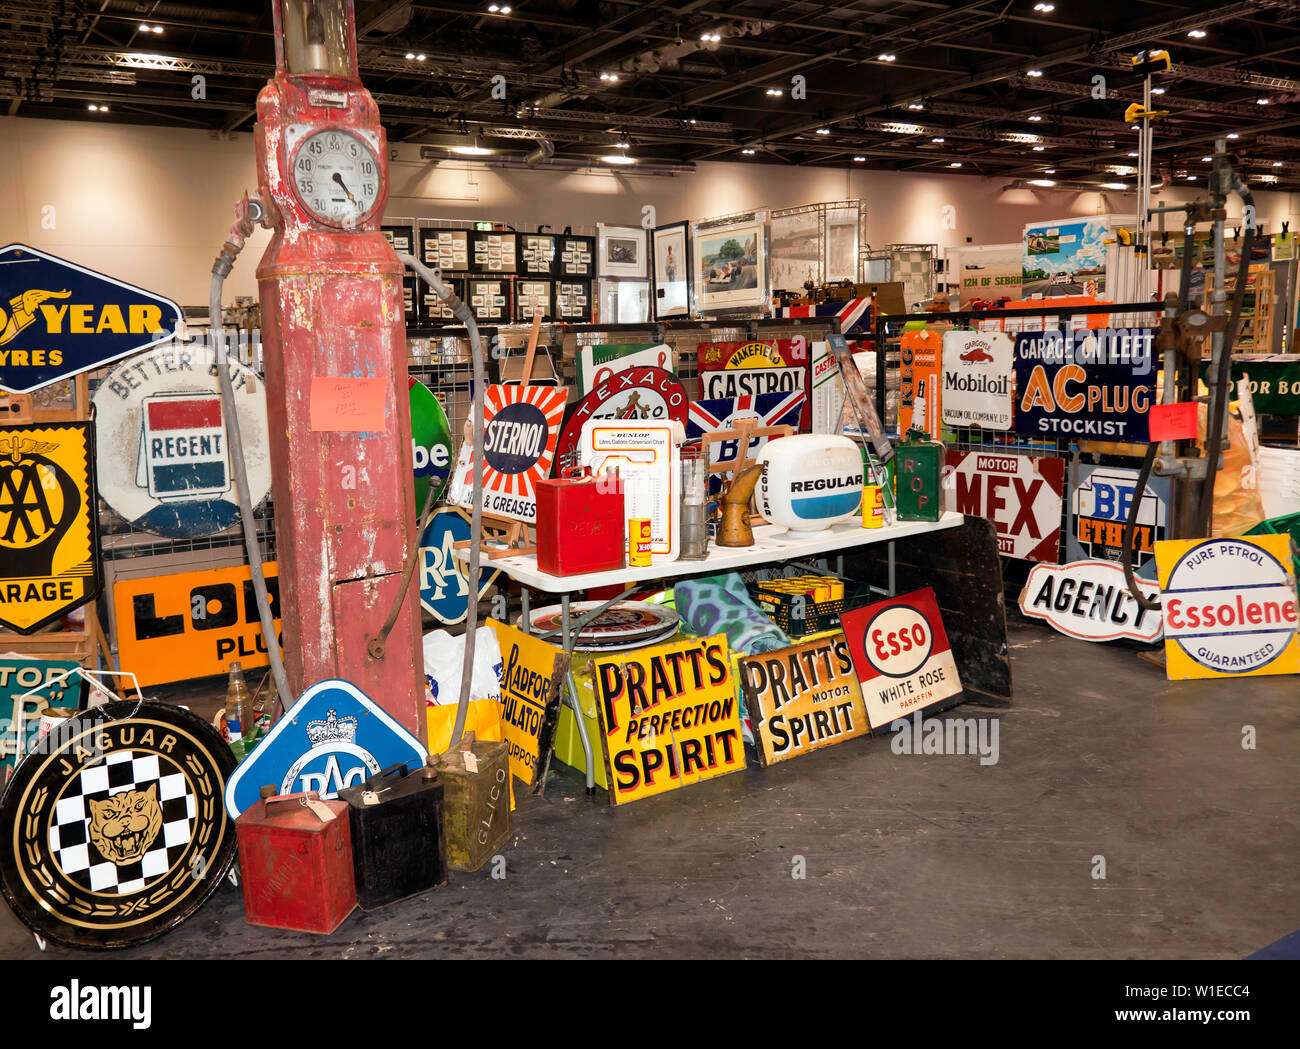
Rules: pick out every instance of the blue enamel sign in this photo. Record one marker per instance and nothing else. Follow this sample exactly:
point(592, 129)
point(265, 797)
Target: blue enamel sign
point(1085, 385)
point(334, 736)
point(59, 319)
point(444, 581)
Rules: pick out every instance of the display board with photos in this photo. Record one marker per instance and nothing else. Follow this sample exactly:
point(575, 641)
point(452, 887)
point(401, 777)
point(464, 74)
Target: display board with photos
point(573, 300)
point(447, 249)
point(537, 254)
point(490, 300)
point(622, 251)
point(575, 256)
point(731, 263)
point(410, 298)
point(402, 238)
point(492, 252)
point(533, 298)
point(815, 242)
point(433, 309)
point(670, 271)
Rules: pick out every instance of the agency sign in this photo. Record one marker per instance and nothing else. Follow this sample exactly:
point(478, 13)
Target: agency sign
point(1229, 606)
point(1090, 600)
point(58, 319)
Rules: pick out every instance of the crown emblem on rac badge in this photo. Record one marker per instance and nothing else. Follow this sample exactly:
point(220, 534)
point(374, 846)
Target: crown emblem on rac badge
point(332, 730)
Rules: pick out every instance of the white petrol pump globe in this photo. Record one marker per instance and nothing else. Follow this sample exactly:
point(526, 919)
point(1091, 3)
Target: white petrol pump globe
point(336, 176)
point(809, 482)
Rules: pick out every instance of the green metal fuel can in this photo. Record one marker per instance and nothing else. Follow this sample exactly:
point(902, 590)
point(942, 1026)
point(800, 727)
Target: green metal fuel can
point(919, 474)
point(476, 801)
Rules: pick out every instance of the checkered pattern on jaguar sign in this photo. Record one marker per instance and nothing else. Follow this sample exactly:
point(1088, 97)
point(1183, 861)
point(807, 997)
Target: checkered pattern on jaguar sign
point(121, 773)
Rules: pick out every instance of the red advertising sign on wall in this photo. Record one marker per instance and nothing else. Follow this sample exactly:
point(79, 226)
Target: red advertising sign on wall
point(746, 369)
point(1021, 494)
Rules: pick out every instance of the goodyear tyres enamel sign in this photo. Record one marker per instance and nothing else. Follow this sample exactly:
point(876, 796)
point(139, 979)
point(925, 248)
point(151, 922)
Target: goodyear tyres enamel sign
point(59, 319)
point(49, 530)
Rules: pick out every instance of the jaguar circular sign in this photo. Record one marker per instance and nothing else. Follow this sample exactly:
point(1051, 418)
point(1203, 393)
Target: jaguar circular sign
point(114, 830)
point(643, 394)
point(897, 641)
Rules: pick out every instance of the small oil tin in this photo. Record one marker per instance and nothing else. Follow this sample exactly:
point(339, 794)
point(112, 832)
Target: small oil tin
point(638, 542)
point(476, 801)
point(873, 506)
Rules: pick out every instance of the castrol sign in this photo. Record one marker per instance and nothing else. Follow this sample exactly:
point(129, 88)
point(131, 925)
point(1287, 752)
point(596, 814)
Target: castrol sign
point(1229, 606)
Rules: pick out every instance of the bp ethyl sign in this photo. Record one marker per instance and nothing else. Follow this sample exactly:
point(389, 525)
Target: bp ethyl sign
point(1229, 606)
point(1022, 495)
point(976, 379)
point(901, 653)
point(1099, 509)
point(58, 319)
point(1090, 600)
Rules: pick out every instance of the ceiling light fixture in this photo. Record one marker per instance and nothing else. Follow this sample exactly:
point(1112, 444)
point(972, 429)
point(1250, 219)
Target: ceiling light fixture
point(775, 92)
point(955, 164)
point(420, 57)
point(493, 8)
point(618, 158)
point(1277, 163)
point(1191, 178)
point(710, 38)
point(1261, 101)
point(885, 57)
point(1206, 160)
point(748, 152)
point(915, 105)
point(1196, 34)
point(93, 108)
point(410, 56)
point(611, 77)
point(1157, 90)
point(1035, 117)
point(1113, 185)
point(623, 144)
point(1033, 72)
point(1233, 134)
point(1039, 149)
point(1041, 182)
point(1132, 154)
point(1046, 9)
point(1049, 171)
point(823, 131)
point(937, 140)
point(858, 160)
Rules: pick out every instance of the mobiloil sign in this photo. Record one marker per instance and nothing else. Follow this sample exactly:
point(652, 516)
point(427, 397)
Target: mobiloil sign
point(58, 319)
point(1085, 384)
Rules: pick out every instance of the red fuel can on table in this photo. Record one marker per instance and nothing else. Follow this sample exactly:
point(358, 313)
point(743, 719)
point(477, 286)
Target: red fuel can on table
point(579, 525)
point(295, 861)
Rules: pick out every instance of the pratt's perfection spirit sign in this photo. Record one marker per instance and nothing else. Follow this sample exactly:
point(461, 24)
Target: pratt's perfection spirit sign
point(1229, 606)
point(668, 717)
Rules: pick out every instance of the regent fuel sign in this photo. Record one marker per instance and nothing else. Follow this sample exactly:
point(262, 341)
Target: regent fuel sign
point(1229, 606)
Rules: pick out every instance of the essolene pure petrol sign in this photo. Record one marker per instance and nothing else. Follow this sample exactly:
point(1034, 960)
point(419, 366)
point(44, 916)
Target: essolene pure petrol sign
point(58, 319)
point(1229, 606)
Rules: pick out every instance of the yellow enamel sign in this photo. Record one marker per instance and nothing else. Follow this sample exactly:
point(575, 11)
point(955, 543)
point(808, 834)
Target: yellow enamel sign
point(532, 678)
point(668, 717)
point(1229, 606)
point(49, 531)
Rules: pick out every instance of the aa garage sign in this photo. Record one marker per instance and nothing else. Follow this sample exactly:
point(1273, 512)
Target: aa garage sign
point(1229, 606)
point(1022, 495)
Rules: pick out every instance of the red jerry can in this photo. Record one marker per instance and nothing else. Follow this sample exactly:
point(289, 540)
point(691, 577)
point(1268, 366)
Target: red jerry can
point(295, 861)
point(580, 525)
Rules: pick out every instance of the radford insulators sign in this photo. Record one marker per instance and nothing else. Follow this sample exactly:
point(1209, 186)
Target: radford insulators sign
point(1229, 606)
point(1090, 600)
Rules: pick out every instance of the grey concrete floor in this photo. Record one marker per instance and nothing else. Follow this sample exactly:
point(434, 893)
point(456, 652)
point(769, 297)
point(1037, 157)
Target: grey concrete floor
point(905, 855)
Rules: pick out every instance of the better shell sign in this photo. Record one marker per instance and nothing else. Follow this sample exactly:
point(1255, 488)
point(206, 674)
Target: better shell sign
point(902, 656)
point(1229, 606)
point(668, 717)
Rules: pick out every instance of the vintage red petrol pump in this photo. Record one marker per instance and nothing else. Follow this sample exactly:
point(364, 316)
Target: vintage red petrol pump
point(335, 351)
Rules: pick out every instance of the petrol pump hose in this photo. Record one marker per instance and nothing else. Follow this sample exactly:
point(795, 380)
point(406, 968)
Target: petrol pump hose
point(248, 213)
point(1217, 408)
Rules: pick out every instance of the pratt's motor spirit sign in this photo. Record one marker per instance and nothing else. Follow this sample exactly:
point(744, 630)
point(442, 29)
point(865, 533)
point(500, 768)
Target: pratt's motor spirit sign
point(976, 386)
point(1229, 606)
point(58, 318)
point(902, 656)
point(194, 624)
point(803, 698)
point(1090, 385)
point(1090, 600)
point(49, 527)
point(532, 677)
point(668, 717)
point(1020, 494)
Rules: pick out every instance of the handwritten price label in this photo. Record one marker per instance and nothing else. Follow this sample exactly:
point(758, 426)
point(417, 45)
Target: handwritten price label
point(346, 404)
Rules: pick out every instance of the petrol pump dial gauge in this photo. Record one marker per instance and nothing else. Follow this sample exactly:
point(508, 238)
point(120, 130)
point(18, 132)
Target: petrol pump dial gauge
point(336, 176)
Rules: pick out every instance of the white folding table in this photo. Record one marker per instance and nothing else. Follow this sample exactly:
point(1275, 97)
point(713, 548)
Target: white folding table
point(772, 545)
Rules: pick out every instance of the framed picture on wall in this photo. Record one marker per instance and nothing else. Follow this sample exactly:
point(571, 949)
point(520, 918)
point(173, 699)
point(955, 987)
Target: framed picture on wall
point(730, 265)
point(621, 251)
point(672, 271)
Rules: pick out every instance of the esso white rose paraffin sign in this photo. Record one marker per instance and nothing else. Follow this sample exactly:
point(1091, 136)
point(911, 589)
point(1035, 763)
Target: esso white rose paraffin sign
point(901, 654)
point(1090, 600)
point(976, 379)
point(1229, 606)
